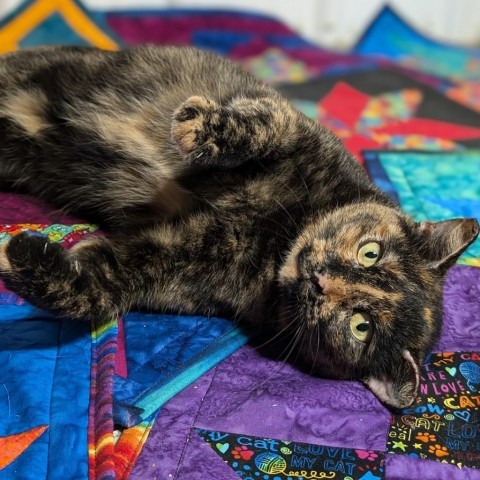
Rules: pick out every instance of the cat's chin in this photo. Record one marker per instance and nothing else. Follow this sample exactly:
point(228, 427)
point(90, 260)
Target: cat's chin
point(397, 391)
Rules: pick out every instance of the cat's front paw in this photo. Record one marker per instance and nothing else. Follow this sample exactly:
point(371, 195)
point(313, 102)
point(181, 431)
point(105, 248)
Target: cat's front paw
point(28, 262)
point(193, 130)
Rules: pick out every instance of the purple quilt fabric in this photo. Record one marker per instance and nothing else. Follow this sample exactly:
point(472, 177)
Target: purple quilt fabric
point(252, 394)
point(17, 208)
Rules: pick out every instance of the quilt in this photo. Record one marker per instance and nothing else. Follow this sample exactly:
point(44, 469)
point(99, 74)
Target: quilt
point(433, 185)
point(386, 108)
point(183, 398)
point(389, 36)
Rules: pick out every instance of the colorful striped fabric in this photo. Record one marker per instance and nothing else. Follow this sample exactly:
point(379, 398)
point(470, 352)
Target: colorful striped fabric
point(101, 448)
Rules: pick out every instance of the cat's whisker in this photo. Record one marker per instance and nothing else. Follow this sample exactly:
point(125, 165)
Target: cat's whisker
point(306, 188)
point(290, 347)
point(317, 350)
point(297, 337)
point(286, 211)
point(278, 334)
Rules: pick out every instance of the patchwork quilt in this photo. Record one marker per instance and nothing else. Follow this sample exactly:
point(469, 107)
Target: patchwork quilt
point(183, 398)
point(389, 36)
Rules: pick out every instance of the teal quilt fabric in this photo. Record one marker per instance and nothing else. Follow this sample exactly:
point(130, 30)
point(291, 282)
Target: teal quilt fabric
point(432, 185)
point(390, 36)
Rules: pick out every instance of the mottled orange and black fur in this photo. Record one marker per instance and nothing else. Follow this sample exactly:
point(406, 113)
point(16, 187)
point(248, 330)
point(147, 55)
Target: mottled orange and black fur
point(219, 199)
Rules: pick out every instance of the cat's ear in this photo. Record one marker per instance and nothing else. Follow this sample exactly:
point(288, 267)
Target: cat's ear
point(400, 390)
point(441, 243)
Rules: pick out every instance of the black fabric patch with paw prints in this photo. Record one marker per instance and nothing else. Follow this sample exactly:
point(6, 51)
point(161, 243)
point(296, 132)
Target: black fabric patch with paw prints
point(444, 421)
point(269, 459)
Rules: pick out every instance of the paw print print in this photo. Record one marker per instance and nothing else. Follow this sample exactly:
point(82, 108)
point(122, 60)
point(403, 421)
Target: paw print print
point(371, 455)
point(445, 354)
point(425, 437)
point(438, 450)
point(242, 453)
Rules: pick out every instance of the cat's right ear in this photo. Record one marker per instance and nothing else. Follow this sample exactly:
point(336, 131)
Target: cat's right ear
point(441, 243)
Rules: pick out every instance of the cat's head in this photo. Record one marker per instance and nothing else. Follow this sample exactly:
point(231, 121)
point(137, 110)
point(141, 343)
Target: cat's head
point(362, 287)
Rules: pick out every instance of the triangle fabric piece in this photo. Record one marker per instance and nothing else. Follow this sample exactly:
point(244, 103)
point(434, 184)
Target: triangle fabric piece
point(272, 459)
point(53, 22)
point(13, 446)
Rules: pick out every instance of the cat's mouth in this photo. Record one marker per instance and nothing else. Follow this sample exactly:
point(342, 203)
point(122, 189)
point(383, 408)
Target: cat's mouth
point(306, 335)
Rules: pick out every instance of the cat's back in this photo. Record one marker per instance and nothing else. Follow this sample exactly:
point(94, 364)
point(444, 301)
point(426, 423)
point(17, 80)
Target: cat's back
point(99, 123)
point(142, 71)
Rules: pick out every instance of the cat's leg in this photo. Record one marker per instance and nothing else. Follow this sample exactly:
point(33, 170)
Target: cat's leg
point(229, 134)
point(161, 269)
point(86, 282)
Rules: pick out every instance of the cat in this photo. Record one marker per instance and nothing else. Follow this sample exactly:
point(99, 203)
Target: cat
point(219, 199)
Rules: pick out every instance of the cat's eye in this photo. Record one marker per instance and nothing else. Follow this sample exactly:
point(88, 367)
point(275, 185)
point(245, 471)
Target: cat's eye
point(369, 254)
point(361, 327)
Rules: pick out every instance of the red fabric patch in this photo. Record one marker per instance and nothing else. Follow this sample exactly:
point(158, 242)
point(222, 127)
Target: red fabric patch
point(345, 103)
point(430, 128)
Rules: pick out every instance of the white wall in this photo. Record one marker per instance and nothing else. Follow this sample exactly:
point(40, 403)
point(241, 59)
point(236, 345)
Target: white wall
point(332, 23)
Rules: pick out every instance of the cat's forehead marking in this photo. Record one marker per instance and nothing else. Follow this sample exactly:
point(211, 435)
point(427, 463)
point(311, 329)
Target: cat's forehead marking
point(337, 286)
point(392, 264)
point(374, 219)
point(340, 293)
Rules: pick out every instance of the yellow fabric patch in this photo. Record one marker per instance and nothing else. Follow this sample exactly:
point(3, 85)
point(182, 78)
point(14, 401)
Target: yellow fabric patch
point(33, 14)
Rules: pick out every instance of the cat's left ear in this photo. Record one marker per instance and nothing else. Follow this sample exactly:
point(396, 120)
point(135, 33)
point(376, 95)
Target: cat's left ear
point(400, 390)
point(441, 243)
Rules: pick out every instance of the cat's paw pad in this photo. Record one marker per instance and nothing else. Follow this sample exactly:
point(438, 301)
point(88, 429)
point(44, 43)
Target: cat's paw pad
point(425, 437)
point(438, 450)
point(191, 129)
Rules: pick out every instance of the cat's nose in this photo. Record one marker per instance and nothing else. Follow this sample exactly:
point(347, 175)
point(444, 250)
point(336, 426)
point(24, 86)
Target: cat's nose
point(319, 281)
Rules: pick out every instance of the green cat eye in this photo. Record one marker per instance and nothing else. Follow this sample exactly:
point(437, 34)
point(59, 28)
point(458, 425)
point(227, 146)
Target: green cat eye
point(361, 327)
point(369, 254)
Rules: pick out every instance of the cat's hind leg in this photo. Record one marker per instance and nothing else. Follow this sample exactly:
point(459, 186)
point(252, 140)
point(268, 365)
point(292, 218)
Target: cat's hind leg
point(231, 133)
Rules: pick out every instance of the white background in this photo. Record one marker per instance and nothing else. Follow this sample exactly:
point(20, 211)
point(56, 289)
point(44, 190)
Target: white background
point(332, 23)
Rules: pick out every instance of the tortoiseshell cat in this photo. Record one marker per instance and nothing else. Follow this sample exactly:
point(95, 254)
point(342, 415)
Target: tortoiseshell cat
point(231, 203)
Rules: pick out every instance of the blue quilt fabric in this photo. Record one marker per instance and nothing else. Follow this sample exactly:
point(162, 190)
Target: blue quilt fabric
point(164, 353)
point(45, 382)
point(390, 36)
point(431, 185)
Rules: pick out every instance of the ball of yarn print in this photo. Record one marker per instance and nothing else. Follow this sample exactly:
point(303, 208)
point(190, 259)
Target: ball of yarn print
point(270, 463)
